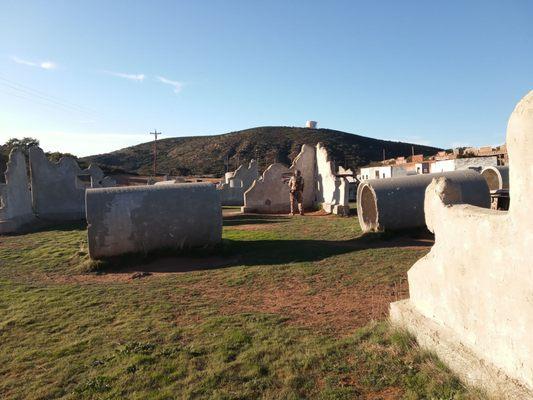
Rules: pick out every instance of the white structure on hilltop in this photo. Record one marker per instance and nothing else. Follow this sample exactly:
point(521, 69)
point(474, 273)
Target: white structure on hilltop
point(311, 124)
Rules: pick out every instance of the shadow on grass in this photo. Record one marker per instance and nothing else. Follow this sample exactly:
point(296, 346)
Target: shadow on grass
point(256, 253)
point(39, 226)
point(252, 219)
point(275, 252)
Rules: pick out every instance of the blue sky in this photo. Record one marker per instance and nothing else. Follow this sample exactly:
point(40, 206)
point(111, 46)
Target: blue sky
point(93, 76)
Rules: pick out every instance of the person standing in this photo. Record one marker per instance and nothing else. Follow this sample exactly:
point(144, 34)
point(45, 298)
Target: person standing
point(296, 187)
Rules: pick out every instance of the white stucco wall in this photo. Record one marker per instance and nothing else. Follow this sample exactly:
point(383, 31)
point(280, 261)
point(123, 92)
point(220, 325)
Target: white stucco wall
point(442, 166)
point(332, 191)
point(463, 163)
point(305, 162)
point(477, 281)
point(269, 194)
point(382, 172)
point(57, 192)
point(15, 198)
point(236, 183)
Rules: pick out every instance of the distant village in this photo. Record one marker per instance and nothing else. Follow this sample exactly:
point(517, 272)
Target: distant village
point(461, 158)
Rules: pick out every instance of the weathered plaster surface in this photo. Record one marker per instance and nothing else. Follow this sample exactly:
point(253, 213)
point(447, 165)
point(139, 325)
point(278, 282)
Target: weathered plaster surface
point(236, 183)
point(305, 162)
point(332, 190)
point(141, 219)
point(268, 194)
point(448, 346)
point(58, 190)
point(15, 198)
point(475, 287)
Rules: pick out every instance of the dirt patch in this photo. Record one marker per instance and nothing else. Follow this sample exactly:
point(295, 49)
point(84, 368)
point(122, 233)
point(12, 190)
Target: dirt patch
point(89, 278)
point(392, 393)
point(252, 227)
point(319, 213)
point(13, 242)
point(329, 307)
point(158, 267)
point(334, 308)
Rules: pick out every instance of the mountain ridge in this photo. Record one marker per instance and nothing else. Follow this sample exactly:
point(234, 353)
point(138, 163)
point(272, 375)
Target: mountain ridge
point(214, 154)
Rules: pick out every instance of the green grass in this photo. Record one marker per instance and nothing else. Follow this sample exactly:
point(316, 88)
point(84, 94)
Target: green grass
point(193, 335)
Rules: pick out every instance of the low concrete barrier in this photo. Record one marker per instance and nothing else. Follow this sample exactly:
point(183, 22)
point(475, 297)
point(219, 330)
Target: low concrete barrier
point(145, 218)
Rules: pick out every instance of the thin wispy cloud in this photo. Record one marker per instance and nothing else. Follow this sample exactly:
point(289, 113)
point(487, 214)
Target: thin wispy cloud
point(131, 77)
point(175, 84)
point(49, 65)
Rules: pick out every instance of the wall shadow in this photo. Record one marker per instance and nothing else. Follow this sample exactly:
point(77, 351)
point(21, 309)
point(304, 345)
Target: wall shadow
point(253, 219)
point(264, 253)
point(38, 226)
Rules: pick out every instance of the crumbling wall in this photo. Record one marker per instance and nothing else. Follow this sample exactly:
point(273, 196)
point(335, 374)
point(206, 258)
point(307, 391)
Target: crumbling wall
point(15, 198)
point(58, 189)
point(141, 219)
point(236, 183)
point(471, 297)
point(332, 190)
point(305, 162)
point(270, 193)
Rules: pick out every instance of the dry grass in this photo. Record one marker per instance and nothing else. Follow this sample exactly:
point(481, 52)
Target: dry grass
point(294, 308)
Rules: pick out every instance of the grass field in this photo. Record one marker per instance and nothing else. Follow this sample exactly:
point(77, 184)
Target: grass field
point(287, 308)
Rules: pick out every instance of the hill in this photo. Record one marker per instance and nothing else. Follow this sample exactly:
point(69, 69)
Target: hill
point(201, 155)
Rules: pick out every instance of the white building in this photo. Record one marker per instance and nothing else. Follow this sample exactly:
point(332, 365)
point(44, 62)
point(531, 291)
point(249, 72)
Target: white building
point(385, 171)
point(463, 163)
point(379, 172)
point(427, 167)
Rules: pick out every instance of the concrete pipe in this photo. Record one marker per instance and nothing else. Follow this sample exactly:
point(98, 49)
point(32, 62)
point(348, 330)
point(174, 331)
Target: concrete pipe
point(398, 203)
point(140, 219)
point(497, 177)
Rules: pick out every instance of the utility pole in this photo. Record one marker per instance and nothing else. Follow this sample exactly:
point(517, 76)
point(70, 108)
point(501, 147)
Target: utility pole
point(155, 133)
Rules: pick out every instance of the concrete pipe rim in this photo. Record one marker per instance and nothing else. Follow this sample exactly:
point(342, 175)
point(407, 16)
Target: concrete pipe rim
point(493, 178)
point(367, 208)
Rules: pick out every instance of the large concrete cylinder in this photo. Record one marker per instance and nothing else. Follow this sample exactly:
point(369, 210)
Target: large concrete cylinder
point(398, 203)
point(140, 219)
point(497, 177)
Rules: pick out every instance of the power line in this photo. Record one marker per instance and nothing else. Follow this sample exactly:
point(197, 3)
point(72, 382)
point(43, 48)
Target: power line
point(25, 97)
point(46, 97)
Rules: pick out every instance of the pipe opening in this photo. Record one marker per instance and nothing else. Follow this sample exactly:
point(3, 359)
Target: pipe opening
point(369, 212)
point(493, 179)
